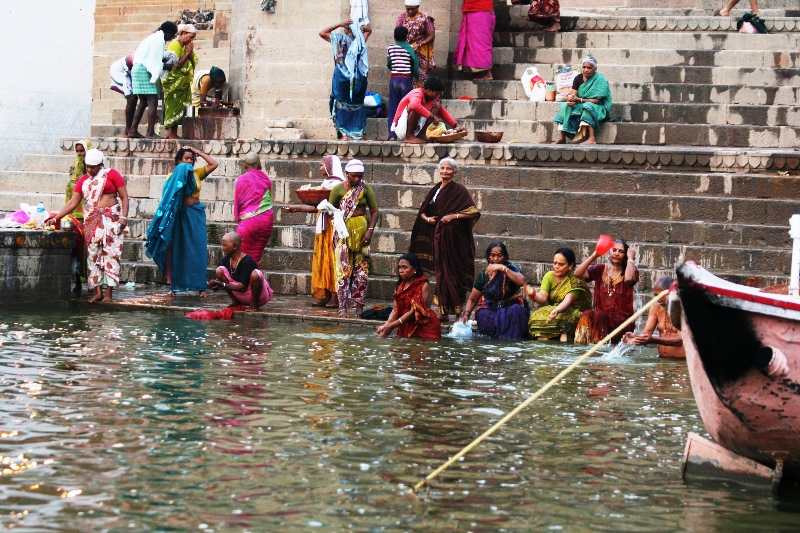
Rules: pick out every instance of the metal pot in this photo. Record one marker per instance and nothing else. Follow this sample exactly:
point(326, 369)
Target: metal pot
point(190, 111)
point(66, 224)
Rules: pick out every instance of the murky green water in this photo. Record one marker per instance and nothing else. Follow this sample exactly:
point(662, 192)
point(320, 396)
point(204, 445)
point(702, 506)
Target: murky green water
point(131, 421)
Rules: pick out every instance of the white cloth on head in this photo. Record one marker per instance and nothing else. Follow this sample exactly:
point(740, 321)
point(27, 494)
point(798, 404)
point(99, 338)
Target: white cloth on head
point(359, 12)
point(338, 220)
point(413, 3)
point(93, 157)
point(336, 175)
point(355, 165)
point(150, 53)
point(187, 28)
point(121, 77)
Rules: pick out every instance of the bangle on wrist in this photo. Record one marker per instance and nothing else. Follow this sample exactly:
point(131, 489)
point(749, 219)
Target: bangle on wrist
point(400, 320)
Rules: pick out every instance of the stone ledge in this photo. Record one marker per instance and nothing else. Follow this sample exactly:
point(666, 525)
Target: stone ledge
point(21, 238)
point(502, 154)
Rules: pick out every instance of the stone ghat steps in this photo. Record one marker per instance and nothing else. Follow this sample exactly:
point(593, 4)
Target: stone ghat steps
point(127, 35)
point(630, 133)
point(515, 18)
point(649, 56)
point(127, 28)
point(128, 46)
point(634, 92)
point(631, 157)
point(149, 8)
point(731, 75)
point(779, 43)
point(774, 10)
point(676, 113)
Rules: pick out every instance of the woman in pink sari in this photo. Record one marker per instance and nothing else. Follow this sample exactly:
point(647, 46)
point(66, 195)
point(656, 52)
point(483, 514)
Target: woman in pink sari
point(473, 52)
point(252, 207)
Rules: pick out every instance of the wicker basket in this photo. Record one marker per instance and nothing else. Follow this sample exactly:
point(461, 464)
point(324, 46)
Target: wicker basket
point(312, 196)
point(451, 137)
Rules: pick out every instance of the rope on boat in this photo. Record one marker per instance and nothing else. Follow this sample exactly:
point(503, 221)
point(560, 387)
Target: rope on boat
point(535, 395)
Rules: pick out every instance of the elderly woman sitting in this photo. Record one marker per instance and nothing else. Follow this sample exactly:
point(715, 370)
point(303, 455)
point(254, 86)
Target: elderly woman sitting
point(588, 104)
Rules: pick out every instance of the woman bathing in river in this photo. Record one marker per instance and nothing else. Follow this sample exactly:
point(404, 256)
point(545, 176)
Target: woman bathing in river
point(411, 314)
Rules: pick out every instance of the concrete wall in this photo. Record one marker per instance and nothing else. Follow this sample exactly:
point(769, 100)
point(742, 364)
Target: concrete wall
point(47, 75)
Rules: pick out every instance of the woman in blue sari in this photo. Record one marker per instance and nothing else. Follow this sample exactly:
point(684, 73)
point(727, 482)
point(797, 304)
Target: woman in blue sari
point(500, 308)
point(588, 104)
point(349, 83)
point(176, 239)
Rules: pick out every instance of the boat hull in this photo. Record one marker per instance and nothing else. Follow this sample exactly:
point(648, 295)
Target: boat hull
point(743, 357)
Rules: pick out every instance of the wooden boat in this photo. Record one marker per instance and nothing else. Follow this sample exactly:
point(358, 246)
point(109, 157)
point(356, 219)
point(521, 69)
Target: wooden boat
point(743, 352)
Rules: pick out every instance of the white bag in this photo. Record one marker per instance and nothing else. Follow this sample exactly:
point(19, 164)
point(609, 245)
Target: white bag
point(534, 85)
point(564, 78)
point(460, 330)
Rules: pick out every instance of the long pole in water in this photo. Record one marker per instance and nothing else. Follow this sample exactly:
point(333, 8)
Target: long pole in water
point(536, 395)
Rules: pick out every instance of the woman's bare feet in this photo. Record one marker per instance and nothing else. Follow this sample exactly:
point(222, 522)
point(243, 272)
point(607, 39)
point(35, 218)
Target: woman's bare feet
point(173, 137)
point(552, 28)
point(590, 140)
point(202, 294)
point(97, 296)
point(561, 139)
point(343, 313)
point(486, 76)
point(134, 135)
point(410, 139)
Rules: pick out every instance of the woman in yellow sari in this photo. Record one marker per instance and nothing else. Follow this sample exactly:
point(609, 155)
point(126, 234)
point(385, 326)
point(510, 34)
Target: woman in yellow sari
point(563, 298)
point(178, 83)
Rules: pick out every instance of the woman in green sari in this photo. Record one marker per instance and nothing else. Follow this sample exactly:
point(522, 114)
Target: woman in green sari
point(178, 83)
point(588, 104)
point(563, 298)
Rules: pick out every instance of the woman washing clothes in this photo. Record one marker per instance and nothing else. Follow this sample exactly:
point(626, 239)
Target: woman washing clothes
point(613, 294)
point(500, 309)
point(588, 104)
point(349, 83)
point(323, 279)
point(105, 219)
point(563, 297)
point(411, 315)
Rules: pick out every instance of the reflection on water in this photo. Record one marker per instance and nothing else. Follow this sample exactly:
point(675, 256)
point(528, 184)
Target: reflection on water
point(116, 421)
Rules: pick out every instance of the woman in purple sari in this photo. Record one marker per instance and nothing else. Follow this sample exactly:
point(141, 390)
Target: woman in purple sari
point(500, 308)
point(252, 207)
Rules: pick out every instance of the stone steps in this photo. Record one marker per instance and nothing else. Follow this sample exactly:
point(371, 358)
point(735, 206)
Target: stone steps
point(754, 95)
point(649, 56)
point(674, 113)
point(633, 40)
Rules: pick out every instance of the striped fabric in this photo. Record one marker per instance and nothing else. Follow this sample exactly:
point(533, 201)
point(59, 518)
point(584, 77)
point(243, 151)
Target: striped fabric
point(401, 60)
point(141, 80)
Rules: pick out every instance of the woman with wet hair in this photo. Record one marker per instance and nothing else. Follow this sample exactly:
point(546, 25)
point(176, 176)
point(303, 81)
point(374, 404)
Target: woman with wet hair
point(563, 298)
point(411, 315)
point(500, 309)
point(613, 294)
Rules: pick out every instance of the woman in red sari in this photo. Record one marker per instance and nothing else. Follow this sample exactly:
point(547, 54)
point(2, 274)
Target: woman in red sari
point(411, 314)
point(613, 294)
point(442, 239)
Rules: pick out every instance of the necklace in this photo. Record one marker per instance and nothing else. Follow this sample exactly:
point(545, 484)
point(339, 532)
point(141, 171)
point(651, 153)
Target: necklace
point(611, 282)
point(234, 268)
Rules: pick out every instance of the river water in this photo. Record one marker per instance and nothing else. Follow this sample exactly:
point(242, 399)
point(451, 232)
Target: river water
point(130, 421)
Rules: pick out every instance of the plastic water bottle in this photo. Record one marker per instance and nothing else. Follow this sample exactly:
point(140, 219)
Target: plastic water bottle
point(40, 216)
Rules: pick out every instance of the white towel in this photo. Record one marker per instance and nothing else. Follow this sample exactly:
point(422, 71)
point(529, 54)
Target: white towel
point(338, 220)
point(359, 12)
point(150, 53)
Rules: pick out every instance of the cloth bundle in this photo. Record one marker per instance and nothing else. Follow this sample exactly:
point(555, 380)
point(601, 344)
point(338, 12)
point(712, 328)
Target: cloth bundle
point(338, 220)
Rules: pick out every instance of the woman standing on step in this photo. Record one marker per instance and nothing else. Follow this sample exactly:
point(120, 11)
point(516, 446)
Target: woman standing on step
point(177, 238)
point(349, 83)
point(178, 83)
point(563, 298)
point(323, 279)
point(442, 239)
point(76, 171)
point(105, 218)
point(421, 34)
point(588, 104)
point(500, 308)
point(473, 52)
point(351, 254)
point(613, 294)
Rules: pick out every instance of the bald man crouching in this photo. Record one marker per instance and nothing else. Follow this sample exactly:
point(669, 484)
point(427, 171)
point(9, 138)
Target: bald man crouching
point(240, 276)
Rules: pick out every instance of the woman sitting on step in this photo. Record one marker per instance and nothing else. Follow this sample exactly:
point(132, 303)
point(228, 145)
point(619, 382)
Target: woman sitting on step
point(563, 298)
point(588, 104)
point(500, 308)
point(177, 238)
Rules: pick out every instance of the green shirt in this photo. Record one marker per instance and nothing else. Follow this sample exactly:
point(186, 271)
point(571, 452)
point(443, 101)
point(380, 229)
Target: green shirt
point(367, 199)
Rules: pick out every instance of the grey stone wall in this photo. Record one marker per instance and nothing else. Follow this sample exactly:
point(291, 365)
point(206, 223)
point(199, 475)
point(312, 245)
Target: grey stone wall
point(36, 266)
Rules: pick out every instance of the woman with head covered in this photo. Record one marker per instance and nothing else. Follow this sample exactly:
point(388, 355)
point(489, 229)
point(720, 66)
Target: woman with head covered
point(353, 198)
point(442, 239)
